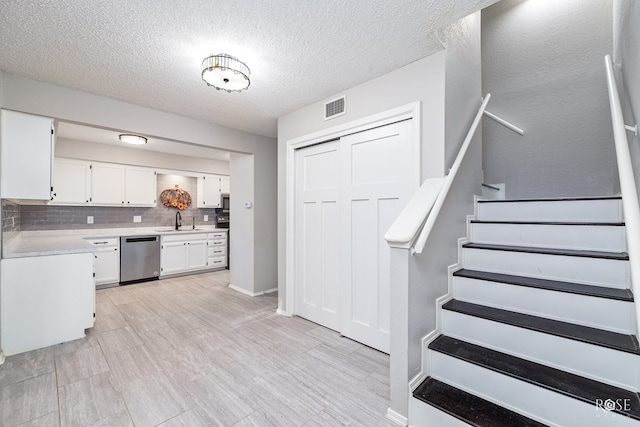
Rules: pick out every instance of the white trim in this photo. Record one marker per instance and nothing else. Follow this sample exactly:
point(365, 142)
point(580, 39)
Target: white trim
point(252, 294)
point(409, 111)
point(283, 313)
point(396, 418)
point(2, 358)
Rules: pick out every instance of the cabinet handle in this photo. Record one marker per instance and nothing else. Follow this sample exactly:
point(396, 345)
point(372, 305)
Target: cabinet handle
point(123, 201)
point(128, 201)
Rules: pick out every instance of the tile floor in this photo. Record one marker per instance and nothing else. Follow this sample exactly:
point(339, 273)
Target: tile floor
point(189, 351)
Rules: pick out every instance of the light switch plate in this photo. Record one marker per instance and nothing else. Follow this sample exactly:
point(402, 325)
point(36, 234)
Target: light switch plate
point(89, 220)
point(206, 218)
point(137, 218)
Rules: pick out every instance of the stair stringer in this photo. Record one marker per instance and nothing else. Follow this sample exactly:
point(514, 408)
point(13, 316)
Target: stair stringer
point(427, 339)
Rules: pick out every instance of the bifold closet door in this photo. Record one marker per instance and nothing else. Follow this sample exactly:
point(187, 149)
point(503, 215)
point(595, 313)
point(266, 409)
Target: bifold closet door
point(316, 235)
point(377, 182)
point(348, 192)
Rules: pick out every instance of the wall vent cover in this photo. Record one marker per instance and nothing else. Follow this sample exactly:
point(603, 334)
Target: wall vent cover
point(336, 107)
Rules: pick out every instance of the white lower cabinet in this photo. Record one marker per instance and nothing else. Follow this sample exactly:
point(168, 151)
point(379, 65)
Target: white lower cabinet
point(45, 300)
point(182, 253)
point(217, 249)
point(107, 260)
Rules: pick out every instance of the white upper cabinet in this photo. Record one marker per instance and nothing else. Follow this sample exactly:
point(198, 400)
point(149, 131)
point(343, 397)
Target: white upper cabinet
point(107, 184)
point(71, 182)
point(80, 182)
point(225, 185)
point(210, 187)
point(26, 156)
point(141, 186)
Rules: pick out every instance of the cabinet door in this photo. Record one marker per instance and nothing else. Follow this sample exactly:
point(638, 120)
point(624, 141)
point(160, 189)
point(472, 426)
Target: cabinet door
point(225, 185)
point(26, 156)
point(107, 265)
point(174, 257)
point(71, 182)
point(141, 187)
point(209, 191)
point(107, 184)
point(197, 254)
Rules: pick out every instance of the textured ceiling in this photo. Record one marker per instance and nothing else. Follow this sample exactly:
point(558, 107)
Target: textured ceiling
point(149, 52)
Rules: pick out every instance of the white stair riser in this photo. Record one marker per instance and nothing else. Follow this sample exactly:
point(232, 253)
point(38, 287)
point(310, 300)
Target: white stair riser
point(602, 313)
point(530, 400)
point(585, 237)
point(602, 364)
point(553, 211)
point(591, 271)
point(422, 414)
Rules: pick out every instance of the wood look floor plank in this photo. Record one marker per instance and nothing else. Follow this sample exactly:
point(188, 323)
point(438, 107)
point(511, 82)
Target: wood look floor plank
point(52, 419)
point(92, 401)
point(28, 399)
point(80, 364)
point(189, 351)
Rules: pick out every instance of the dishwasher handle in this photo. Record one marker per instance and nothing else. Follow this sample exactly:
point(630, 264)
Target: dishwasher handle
point(141, 239)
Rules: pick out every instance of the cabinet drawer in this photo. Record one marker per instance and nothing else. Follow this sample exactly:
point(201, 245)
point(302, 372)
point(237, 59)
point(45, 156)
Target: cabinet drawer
point(217, 243)
point(217, 235)
point(217, 262)
point(109, 242)
point(217, 251)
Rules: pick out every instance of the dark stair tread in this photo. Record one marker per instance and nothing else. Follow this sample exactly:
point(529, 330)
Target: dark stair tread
point(552, 199)
point(575, 386)
point(467, 407)
point(549, 251)
point(582, 223)
point(553, 285)
point(600, 337)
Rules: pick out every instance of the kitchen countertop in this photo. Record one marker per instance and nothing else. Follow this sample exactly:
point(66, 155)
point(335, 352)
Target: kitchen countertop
point(59, 242)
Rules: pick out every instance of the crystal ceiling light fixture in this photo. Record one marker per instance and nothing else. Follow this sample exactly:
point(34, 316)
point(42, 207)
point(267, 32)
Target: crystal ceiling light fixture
point(133, 139)
point(225, 72)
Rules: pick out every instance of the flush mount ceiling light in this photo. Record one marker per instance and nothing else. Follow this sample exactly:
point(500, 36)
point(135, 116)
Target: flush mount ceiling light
point(224, 72)
point(133, 139)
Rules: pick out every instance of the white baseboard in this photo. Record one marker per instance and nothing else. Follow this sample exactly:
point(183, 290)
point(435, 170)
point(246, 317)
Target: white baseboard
point(252, 294)
point(283, 312)
point(396, 418)
point(2, 358)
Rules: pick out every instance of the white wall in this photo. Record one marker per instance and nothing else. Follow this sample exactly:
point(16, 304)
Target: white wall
point(66, 104)
point(542, 61)
point(626, 51)
point(428, 272)
point(130, 156)
point(422, 81)
point(241, 254)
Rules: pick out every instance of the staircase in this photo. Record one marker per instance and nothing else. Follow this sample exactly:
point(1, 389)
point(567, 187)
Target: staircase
point(540, 326)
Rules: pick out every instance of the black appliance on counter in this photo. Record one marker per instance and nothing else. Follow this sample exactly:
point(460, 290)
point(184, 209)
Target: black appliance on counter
point(222, 220)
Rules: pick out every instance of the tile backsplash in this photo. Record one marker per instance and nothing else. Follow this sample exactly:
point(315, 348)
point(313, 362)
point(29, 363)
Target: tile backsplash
point(45, 217)
point(10, 217)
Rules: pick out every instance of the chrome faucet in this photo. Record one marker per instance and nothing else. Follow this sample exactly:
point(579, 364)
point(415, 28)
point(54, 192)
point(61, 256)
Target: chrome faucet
point(178, 220)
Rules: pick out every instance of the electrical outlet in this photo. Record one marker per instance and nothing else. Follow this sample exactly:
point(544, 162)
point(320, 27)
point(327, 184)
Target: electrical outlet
point(206, 218)
point(89, 220)
point(137, 218)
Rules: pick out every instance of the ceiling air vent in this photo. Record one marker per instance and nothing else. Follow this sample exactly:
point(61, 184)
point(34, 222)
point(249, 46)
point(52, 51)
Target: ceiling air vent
point(335, 108)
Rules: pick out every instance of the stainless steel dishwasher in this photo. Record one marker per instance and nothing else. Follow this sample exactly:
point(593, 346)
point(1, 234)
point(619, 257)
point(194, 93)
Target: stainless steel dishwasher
point(139, 259)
